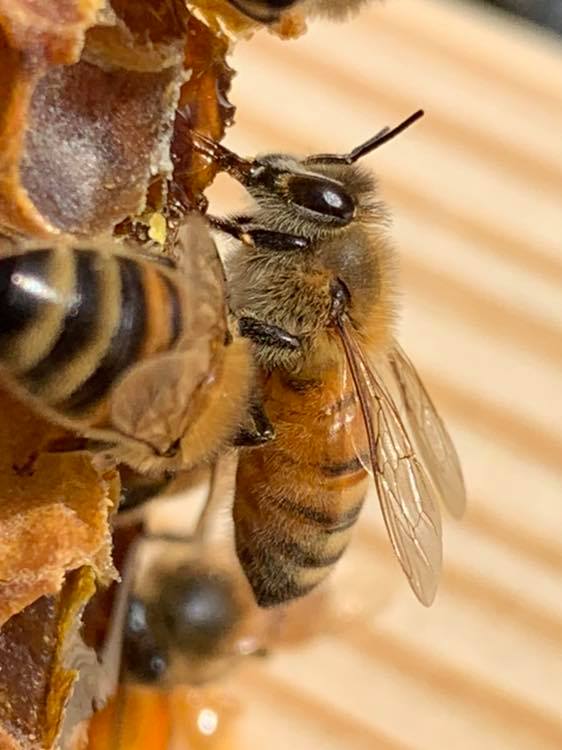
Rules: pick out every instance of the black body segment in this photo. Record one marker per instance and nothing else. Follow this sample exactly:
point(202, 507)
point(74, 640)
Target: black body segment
point(75, 319)
point(125, 343)
point(21, 279)
point(175, 311)
point(80, 321)
point(320, 520)
point(272, 582)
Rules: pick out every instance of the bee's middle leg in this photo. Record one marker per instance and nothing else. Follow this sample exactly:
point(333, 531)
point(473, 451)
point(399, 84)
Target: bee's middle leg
point(257, 431)
point(265, 334)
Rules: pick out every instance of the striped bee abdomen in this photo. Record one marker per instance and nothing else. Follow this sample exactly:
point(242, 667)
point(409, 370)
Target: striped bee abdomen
point(298, 498)
point(19, 304)
point(123, 344)
point(75, 319)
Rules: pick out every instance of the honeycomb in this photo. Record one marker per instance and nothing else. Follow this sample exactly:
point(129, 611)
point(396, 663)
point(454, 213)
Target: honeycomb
point(98, 103)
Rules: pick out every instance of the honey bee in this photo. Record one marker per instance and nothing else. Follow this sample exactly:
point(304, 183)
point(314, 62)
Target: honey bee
point(182, 616)
point(128, 349)
point(186, 617)
point(312, 285)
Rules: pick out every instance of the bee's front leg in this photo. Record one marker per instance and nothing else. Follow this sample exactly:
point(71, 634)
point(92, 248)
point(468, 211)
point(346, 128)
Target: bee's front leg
point(242, 229)
point(265, 334)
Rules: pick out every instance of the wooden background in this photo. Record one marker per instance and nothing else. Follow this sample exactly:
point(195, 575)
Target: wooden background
point(475, 190)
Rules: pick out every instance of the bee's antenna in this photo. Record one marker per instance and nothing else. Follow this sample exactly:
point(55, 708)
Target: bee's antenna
point(384, 135)
point(228, 161)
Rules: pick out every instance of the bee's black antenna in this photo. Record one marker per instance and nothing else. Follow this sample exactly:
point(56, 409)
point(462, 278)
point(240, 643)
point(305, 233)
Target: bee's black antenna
point(227, 160)
point(384, 135)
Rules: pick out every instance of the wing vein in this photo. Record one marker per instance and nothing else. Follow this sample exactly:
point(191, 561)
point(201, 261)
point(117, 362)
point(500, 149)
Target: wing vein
point(407, 493)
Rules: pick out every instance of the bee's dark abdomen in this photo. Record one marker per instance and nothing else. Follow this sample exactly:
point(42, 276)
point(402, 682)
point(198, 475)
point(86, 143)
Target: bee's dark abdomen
point(80, 324)
point(21, 278)
point(296, 552)
point(125, 344)
point(317, 519)
point(273, 581)
point(75, 320)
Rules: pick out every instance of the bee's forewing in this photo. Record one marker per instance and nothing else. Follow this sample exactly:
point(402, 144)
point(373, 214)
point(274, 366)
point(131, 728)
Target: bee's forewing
point(152, 401)
point(203, 279)
point(407, 497)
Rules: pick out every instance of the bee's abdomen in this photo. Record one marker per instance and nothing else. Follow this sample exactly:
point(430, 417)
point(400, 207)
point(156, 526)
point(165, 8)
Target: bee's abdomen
point(123, 347)
point(19, 305)
point(294, 551)
point(76, 328)
point(75, 319)
point(297, 500)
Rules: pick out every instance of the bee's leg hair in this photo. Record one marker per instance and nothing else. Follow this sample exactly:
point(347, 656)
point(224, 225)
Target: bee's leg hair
point(268, 239)
point(265, 334)
point(240, 227)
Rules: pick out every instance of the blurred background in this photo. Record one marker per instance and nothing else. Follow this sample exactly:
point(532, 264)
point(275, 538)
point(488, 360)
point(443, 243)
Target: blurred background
point(475, 191)
point(547, 13)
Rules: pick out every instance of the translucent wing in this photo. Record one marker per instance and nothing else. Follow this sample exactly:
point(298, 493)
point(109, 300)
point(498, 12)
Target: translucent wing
point(429, 432)
point(152, 402)
point(197, 257)
point(407, 496)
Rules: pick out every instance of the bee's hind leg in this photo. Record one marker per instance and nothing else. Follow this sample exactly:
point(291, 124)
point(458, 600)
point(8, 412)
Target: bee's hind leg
point(137, 489)
point(257, 432)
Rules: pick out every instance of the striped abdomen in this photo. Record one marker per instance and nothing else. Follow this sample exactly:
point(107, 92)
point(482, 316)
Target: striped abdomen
point(298, 497)
point(73, 320)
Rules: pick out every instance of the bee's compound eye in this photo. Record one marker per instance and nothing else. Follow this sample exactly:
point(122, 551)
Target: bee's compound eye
point(323, 196)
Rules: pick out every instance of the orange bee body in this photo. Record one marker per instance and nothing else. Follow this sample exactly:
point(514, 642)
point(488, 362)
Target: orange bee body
point(311, 283)
point(315, 489)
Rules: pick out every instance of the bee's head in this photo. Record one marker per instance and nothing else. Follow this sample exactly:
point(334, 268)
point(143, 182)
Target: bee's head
point(191, 613)
point(329, 257)
point(312, 197)
point(198, 608)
